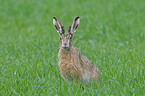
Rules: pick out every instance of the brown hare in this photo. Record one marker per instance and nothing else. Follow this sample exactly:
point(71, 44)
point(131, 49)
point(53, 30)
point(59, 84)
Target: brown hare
point(73, 65)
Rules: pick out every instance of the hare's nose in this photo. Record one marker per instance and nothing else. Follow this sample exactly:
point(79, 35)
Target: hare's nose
point(64, 44)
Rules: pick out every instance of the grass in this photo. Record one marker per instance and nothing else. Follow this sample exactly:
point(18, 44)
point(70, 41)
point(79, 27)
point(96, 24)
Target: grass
point(111, 34)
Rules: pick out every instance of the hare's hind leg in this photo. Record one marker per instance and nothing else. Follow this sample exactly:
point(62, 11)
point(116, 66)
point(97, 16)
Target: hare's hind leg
point(77, 79)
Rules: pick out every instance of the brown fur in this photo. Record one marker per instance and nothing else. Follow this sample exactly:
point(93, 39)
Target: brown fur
point(73, 65)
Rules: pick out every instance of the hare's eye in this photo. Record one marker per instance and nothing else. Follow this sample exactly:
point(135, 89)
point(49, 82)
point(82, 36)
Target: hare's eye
point(70, 36)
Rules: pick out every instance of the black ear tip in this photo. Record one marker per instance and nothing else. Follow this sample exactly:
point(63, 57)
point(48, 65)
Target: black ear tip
point(77, 17)
point(54, 17)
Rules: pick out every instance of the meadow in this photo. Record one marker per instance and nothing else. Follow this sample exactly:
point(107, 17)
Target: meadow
point(111, 34)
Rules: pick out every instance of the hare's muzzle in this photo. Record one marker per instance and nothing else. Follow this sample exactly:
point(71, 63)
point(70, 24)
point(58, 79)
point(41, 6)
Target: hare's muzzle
point(65, 45)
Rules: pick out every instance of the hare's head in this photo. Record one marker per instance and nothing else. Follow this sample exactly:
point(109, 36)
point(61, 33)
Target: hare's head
point(66, 38)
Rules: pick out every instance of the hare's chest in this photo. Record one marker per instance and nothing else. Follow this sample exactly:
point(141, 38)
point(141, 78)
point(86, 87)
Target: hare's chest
point(71, 58)
point(69, 64)
point(66, 62)
point(67, 57)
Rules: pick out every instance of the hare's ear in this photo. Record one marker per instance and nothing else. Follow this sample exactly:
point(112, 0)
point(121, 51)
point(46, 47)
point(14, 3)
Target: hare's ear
point(59, 27)
point(74, 25)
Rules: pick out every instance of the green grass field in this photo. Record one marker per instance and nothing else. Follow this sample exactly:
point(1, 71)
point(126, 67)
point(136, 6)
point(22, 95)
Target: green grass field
point(111, 34)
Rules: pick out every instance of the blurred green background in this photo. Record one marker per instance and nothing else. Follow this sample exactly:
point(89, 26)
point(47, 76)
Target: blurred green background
point(111, 34)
